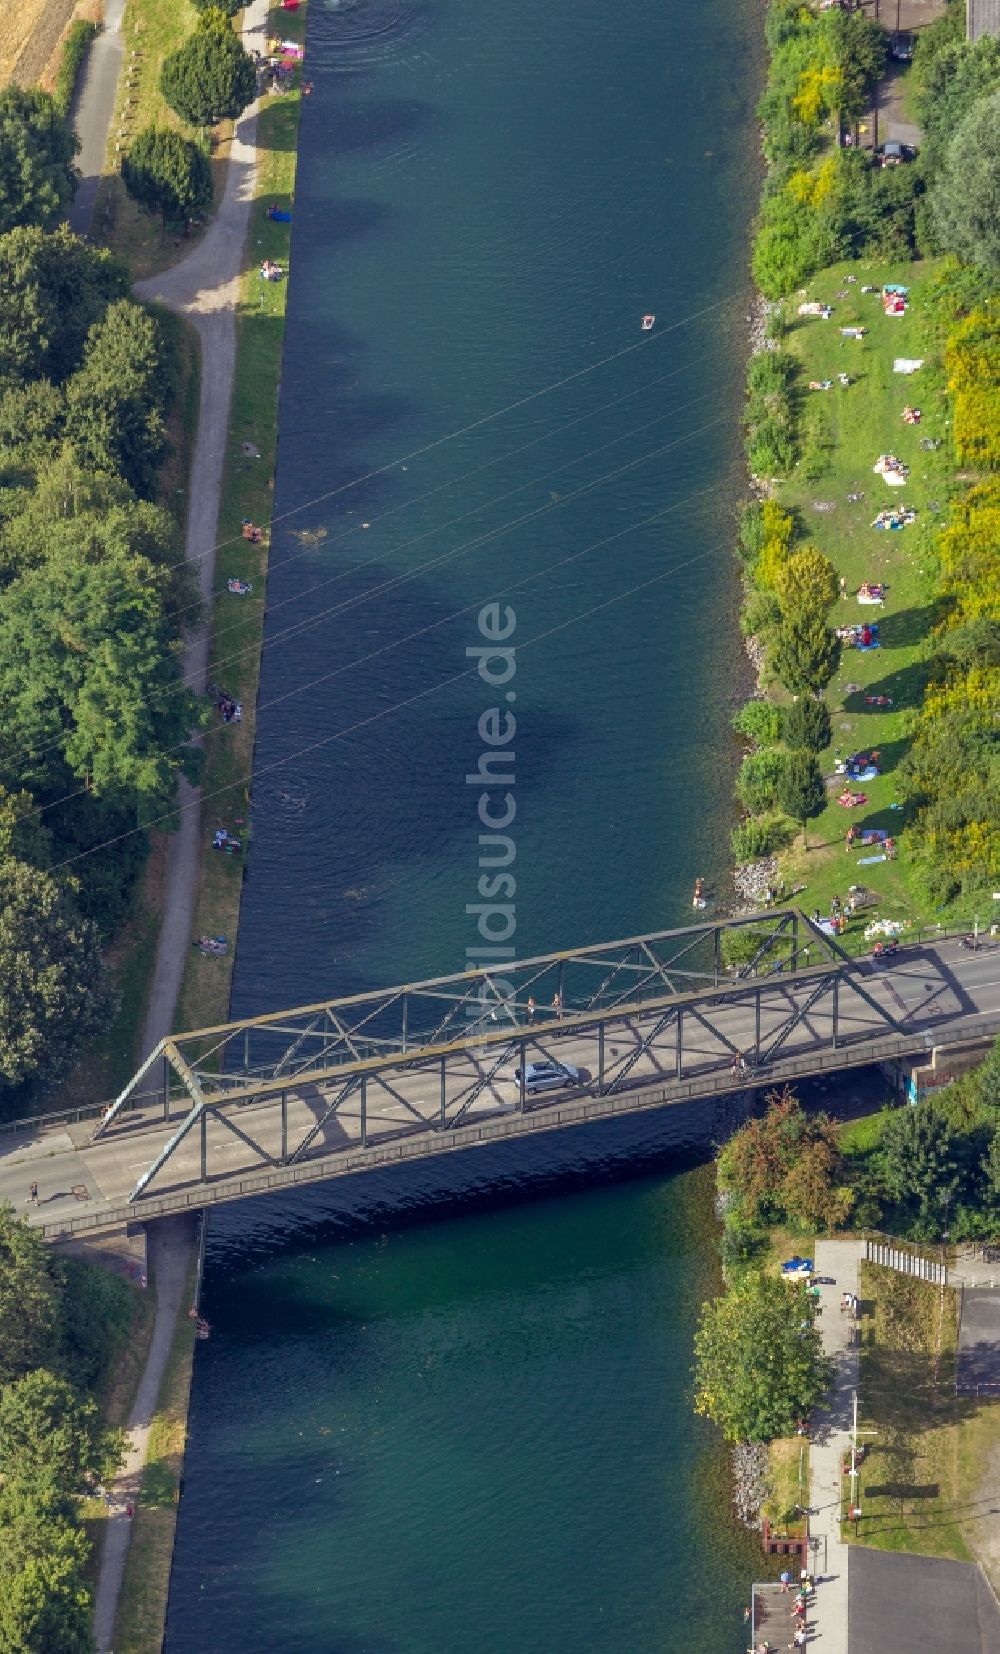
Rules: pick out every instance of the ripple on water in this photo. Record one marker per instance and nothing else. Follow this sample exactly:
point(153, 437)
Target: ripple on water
point(350, 35)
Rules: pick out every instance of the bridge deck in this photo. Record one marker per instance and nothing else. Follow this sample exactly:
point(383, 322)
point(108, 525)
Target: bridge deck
point(236, 1149)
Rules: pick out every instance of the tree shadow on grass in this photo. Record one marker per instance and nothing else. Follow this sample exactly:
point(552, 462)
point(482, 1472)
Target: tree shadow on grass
point(904, 687)
point(909, 626)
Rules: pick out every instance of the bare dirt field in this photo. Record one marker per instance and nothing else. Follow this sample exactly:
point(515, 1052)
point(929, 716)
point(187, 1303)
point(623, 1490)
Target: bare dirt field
point(29, 34)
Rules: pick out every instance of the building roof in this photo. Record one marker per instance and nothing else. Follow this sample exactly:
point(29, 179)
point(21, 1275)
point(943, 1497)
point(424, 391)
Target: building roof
point(983, 18)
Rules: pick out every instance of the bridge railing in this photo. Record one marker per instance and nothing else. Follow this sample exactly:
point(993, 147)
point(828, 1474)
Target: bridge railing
point(72, 1116)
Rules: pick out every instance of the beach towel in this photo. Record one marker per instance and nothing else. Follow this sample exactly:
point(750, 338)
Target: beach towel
point(867, 861)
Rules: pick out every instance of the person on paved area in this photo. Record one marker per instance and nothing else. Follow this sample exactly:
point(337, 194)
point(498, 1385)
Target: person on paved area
point(33, 1195)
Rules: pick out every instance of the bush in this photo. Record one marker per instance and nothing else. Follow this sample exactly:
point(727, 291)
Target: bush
point(756, 837)
point(770, 447)
point(760, 614)
point(75, 47)
point(759, 778)
point(759, 721)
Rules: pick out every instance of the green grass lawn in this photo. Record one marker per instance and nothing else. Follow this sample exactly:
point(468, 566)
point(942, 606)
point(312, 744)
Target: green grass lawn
point(844, 431)
point(788, 1474)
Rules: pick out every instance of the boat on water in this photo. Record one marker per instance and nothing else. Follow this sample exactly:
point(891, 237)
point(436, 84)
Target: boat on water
point(647, 323)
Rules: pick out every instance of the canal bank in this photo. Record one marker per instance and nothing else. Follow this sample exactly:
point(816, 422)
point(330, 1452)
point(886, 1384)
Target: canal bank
point(482, 218)
point(240, 357)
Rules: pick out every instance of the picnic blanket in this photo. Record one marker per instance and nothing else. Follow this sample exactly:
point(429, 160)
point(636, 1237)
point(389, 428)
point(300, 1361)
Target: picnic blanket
point(866, 861)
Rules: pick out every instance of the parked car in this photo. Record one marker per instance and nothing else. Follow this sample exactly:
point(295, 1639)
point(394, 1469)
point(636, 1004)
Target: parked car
point(545, 1075)
point(893, 154)
point(901, 44)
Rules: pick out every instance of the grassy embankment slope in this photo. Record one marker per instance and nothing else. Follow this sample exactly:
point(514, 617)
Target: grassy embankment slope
point(845, 432)
point(247, 492)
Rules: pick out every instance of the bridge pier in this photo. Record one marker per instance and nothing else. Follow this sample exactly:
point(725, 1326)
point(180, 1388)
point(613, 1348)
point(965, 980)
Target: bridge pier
point(918, 1077)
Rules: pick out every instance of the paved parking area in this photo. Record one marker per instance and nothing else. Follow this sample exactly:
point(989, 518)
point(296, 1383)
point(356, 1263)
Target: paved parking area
point(919, 1605)
point(979, 1341)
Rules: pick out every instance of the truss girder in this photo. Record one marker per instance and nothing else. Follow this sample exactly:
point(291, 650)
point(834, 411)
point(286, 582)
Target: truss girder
point(583, 995)
point(441, 1089)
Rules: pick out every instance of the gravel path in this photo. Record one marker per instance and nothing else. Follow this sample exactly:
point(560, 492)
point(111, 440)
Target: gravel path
point(95, 106)
point(170, 1250)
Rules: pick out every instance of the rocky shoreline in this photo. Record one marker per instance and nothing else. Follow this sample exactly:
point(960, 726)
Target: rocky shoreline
point(750, 1484)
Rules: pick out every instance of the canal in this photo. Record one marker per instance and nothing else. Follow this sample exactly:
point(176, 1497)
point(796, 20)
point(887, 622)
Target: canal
point(454, 1410)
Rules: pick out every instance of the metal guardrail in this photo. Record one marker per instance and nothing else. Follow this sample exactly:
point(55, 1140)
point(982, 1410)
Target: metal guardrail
point(69, 1116)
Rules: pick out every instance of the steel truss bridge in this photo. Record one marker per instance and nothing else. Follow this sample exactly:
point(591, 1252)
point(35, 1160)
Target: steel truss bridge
point(264, 1103)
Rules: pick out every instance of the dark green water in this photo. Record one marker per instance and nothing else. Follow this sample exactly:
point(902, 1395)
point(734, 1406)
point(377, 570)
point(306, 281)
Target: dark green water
point(422, 1426)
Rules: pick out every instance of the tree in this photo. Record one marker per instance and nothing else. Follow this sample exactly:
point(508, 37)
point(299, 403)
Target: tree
point(807, 584)
point(51, 1442)
point(801, 792)
point(964, 199)
point(230, 7)
point(806, 724)
point(759, 1365)
point(115, 402)
point(920, 1166)
point(54, 990)
point(45, 1603)
point(29, 1300)
point(168, 174)
point(812, 1194)
point(805, 654)
point(785, 1167)
point(55, 288)
point(89, 680)
point(210, 77)
point(37, 147)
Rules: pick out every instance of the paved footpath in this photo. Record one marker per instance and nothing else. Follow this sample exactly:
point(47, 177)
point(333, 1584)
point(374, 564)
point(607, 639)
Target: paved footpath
point(204, 288)
point(836, 1263)
point(95, 105)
